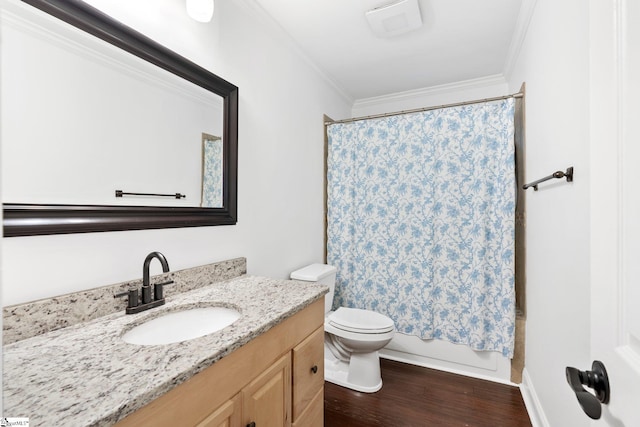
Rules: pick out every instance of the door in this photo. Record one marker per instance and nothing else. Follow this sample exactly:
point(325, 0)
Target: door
point(615, 204)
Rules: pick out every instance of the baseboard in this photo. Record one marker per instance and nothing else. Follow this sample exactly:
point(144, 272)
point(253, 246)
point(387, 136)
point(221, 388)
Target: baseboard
point(531, 401)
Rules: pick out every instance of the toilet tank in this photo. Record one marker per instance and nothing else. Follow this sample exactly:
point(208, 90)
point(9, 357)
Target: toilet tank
point(320, 273)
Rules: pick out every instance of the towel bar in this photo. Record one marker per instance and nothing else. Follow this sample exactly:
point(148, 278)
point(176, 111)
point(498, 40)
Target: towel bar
point(559, 174)
point(120, 193)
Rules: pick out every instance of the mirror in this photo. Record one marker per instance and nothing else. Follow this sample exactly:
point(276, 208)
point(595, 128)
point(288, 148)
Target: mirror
point(132, 133)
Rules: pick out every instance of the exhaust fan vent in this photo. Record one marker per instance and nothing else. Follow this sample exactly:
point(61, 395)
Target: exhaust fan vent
point(395, 19)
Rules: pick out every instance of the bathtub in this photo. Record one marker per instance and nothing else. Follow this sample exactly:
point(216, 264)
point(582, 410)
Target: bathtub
point(446, 356)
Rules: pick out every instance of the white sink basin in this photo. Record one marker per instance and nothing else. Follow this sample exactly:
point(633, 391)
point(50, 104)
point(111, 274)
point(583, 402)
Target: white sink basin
point(181, 325)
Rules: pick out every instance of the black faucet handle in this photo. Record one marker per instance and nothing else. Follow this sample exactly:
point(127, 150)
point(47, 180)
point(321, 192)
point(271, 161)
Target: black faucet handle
point(146, 294)
point(132, 300)
point(158, 289)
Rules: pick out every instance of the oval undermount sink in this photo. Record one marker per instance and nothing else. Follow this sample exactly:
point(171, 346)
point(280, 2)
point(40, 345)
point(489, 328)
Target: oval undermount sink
point(181, 325)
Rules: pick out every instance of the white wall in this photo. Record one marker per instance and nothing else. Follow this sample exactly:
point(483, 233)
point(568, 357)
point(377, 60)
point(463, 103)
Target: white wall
point(280, 206)
point(554, 63)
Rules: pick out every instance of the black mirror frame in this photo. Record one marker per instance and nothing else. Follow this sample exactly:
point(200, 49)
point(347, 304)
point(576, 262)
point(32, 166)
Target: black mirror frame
point(43, 219)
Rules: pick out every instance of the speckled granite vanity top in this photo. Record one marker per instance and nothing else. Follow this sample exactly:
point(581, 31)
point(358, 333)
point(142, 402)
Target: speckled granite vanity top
point(85, 375)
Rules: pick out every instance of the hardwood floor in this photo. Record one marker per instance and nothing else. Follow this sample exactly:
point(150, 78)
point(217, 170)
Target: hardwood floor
point(413, 396)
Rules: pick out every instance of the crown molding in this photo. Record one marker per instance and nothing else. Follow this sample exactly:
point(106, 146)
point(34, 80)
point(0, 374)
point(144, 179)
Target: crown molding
point(254, 8)
point(492, 80)
point(517, 39)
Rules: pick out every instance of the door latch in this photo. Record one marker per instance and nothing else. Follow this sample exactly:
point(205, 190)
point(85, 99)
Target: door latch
point(596, 379)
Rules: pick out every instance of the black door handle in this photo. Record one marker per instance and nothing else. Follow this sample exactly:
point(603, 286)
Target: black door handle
point(596, 379)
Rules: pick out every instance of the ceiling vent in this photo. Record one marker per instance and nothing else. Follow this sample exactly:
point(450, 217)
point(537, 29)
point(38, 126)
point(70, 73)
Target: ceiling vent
point(395, 19)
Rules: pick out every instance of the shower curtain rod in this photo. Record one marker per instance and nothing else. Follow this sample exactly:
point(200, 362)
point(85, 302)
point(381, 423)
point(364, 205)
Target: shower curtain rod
point(420, 110)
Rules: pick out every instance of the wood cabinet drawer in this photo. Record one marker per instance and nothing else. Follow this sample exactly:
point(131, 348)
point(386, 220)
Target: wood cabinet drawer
point(313, 415)
point(308, 371)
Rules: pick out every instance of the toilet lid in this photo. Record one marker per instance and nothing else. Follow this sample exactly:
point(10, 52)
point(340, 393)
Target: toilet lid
point(360, 321)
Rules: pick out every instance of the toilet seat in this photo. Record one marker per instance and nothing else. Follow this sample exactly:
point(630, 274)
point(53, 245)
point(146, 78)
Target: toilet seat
point(360, 321)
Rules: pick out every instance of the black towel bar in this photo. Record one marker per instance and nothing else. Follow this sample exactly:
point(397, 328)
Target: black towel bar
point(559, 174)
point(120, 193)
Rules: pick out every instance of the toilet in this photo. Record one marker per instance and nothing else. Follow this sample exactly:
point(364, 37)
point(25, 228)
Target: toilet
point(352, 336)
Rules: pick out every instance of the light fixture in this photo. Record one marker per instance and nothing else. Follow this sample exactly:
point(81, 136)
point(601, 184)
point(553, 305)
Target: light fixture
point(395, 19)
point(200, 10)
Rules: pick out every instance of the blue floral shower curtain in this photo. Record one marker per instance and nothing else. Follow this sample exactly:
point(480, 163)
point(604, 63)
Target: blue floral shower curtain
point(421, 213)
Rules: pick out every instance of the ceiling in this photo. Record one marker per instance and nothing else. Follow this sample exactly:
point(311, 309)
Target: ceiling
point(459, 40)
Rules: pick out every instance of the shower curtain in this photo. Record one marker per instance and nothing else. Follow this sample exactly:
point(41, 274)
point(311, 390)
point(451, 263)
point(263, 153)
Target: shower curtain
point(421, 221)
point(212, 167)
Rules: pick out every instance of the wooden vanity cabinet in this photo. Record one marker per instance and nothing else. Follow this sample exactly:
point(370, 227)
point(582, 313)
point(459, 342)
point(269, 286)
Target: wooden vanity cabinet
point(308, 380)
point(275, 380)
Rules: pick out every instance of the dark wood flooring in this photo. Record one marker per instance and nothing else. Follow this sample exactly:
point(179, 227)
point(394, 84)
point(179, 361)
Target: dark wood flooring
point(413, 396)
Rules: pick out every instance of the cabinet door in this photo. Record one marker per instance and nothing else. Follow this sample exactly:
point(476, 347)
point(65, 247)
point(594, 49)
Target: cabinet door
point(227, 415)
point(308, 371)
point(266, 401)
point(313, 414)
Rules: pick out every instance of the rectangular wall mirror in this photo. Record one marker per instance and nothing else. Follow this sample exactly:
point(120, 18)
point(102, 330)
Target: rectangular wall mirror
point(87, 113)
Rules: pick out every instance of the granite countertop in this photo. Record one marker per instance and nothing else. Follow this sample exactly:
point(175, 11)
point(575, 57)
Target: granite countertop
point(85, 375)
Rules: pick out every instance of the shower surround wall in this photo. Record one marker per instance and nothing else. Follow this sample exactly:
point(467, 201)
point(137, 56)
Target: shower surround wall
point(434, 353)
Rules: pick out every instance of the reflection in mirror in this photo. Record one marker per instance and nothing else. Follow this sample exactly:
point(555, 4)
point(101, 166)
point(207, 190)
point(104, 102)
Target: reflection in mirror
point(84, 118)
point(93, 107)
point(211, 171)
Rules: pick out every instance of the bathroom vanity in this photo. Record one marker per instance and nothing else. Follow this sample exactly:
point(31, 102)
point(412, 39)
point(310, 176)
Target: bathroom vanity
point(275, 379)
point(267, 365)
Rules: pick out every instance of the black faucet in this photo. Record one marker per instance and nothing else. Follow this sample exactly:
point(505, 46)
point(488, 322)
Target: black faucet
point(145, 303)
point(146, 288)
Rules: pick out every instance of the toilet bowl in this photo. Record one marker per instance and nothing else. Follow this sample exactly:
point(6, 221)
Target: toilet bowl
point(352, 337)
